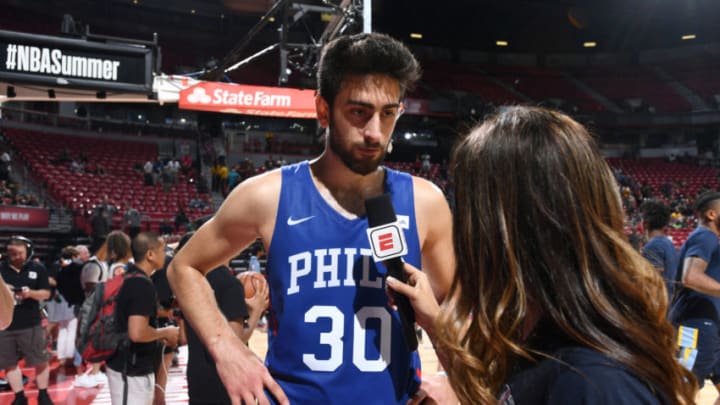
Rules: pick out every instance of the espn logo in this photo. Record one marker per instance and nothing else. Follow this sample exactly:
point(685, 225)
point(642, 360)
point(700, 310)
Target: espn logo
point(387, 241)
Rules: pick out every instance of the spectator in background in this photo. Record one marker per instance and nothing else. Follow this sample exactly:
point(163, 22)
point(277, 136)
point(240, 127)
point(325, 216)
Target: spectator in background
point(157, 166)
point(77, 166)
point(659, 249)
point(132, 367)
point(181, 220)
point(215, 175)
point(25, 337)
point(118, 252)
point(233, 177)
point(174, 167)
point(132, 220)
point(63, 157)
point(425, 163)
point(61, 313)
point(148, 173)
point(95, 270)
point(186, 164)
point(165, 227)
point(223, 174)
point(5, 165)
point(100, 224)
point(254, 260)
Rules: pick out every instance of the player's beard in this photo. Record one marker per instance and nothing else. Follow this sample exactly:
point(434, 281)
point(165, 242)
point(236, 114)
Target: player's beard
point(359, 166)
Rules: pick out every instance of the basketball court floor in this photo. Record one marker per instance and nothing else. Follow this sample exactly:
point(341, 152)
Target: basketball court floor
point(63, 393)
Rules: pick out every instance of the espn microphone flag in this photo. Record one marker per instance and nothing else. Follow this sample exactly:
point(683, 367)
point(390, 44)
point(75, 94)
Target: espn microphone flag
point(387, 241)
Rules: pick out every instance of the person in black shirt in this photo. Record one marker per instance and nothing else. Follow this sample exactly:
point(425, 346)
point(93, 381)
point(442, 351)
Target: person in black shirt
point(549, 304)
point(136, 312)
point(204, 384)
point(166, 305)
point(25, 334)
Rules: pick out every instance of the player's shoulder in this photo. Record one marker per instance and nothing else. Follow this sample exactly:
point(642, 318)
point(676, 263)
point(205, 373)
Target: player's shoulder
point(428, 196)
point(261, 188)
point(702, 235)
point(426, 189)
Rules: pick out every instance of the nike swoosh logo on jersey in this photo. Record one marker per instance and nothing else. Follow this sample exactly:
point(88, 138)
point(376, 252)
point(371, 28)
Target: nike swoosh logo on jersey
point(293, 222)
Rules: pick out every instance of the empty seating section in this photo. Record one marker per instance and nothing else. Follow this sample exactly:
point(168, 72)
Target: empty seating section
point(616, 83)
point(545, 84)
point(447, 76)
point(630, 82)
point(699, 75)
point(82, 191)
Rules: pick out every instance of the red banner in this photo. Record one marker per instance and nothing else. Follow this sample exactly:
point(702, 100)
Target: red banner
point(24, 217)
point(251, 100)
point(421, 106)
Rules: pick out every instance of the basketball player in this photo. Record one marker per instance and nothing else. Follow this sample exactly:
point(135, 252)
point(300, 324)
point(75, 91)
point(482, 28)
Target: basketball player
point(659, 250)
point(697, 306)
point(550, 303)
point(332, 336)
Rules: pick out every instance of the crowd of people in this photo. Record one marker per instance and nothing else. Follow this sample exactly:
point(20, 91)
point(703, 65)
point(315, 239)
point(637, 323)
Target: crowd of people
point(145, 310)
point(529, 290)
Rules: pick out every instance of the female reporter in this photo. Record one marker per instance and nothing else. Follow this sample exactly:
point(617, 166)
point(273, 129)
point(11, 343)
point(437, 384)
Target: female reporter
point(549, 304)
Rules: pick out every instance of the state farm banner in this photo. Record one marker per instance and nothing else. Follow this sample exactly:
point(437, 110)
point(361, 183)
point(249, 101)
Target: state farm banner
point(24, 217)
point(251, 100)
point(75, 63)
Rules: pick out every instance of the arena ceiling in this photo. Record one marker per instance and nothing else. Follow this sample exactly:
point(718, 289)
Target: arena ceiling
point(526, 25)
point(205, 31)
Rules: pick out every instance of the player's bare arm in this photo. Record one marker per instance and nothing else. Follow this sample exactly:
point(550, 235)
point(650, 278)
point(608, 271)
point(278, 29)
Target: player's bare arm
point(694, 277)
point(434, 222)
point(247, 213)
point(7, 305)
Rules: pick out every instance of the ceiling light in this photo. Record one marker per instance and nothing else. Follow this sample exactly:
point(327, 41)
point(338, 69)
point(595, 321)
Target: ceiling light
point(688, 37)
point(192, 11)
point(415, 35)
point(590, 44)
point(501, 43)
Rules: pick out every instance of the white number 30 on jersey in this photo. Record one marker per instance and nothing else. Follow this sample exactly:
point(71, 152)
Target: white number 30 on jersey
point(333, 338)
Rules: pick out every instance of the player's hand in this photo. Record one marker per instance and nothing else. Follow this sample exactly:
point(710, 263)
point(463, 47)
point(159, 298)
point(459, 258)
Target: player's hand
point(435, 389)
point(420, 294)
point(244, 375)
point(259, 302)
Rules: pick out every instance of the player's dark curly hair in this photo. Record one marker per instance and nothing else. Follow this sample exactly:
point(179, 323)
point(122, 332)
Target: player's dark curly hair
point(361, 54)
point(655, 214)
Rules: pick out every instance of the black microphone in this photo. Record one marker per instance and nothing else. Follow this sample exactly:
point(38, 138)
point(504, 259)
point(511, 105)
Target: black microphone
point(387, 241)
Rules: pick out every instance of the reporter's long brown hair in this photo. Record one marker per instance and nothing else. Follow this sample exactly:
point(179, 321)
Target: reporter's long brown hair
point(538, 223)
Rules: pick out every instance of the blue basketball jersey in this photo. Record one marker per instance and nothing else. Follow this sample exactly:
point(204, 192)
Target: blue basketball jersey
point(332, 337)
